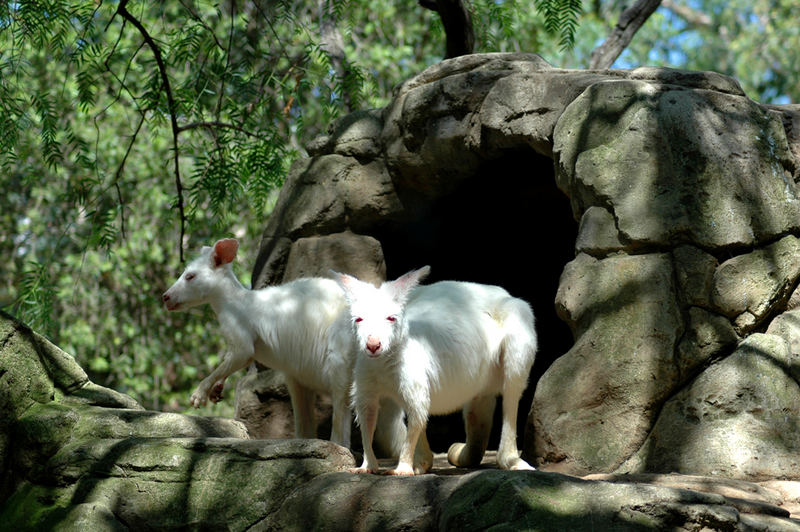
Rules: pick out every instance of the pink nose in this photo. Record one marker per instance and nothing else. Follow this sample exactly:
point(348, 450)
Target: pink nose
point(373, 344)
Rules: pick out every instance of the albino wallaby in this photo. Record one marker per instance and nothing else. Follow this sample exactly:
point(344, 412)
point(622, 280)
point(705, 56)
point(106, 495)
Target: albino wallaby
point(286, 327)
point(435, 349)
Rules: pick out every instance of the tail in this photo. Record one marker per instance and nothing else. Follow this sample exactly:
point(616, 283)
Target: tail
point(519, 344)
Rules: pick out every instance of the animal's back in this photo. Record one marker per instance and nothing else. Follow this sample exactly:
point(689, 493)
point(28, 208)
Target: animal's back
point(452, 312)
point(455, 322)
point(312, 300)
point(297, 333)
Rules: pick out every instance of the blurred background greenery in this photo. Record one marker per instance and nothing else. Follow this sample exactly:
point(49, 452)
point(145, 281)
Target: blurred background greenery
point(132, 133)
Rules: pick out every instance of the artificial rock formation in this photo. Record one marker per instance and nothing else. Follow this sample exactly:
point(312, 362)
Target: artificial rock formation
point(76, 456)
point(652, 213)
point(651, 218)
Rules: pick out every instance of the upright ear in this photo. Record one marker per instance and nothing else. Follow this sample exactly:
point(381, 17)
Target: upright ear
point(403, 285)
point(347, 282)
point(224, 251)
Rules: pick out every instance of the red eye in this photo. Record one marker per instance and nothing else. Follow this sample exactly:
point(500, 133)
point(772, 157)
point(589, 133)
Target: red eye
point(391, 318)
point(358, 320)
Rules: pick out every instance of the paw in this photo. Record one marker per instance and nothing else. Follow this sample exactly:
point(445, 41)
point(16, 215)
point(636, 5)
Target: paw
point(402, 470)
point(421, 469)
point(363, 470)
point(521, 465)
point(423, 462)
point(367, 466)
point(514, 463)
point(197, 399)
point(216, 392)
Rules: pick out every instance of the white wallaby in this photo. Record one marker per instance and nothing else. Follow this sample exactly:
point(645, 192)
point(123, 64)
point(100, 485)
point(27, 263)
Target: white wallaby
point(436, 349)
point(285, 327)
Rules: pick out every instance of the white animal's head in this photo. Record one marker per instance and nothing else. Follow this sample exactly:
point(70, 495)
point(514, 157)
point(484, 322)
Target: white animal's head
point(377, 313)
point(202, 276)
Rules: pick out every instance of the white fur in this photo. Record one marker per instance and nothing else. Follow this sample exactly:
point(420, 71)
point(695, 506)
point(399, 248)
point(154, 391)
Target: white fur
point(436, 349)
point(286, 327)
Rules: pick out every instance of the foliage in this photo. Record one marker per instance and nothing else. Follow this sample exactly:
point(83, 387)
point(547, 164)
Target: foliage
point(132, 132)
point(561, 16)
point(754, 41)
point(97, 211)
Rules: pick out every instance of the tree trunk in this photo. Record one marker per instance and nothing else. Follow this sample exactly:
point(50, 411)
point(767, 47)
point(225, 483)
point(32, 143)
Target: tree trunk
point(457, 22)
point(621, 36)
point(332, 43)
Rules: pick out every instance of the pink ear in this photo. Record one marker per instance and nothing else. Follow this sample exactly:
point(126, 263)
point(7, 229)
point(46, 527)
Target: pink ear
point(347, 282)
point(224, 251)
point(403, 285)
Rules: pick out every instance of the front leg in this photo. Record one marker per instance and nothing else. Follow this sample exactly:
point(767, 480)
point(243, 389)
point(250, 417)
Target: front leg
point(367, 418)
point(231, 362)
point(416, 426)
point(215, 396)
point(414, 389)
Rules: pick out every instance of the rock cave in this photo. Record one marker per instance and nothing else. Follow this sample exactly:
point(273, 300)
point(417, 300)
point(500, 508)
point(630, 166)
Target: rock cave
point(488, 230)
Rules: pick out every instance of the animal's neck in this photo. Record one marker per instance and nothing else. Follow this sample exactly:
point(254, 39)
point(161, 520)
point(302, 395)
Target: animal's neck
point(229, 296)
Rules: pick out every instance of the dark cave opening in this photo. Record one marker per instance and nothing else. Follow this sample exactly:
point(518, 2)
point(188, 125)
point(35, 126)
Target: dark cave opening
point(508, 225)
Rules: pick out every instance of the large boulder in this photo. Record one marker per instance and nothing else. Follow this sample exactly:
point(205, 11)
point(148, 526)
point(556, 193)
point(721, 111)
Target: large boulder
point(675, 164)
point(621, 368)
point(78, 456)
point(733, 420)
point(708, 176)
point(650, 216)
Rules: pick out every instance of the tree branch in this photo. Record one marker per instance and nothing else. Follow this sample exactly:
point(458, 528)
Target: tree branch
point(121, 166)
point(214, 124)
point(218, 109)
point(122, 10)
point(621, 36)
point(692, 16)
point(697, 19)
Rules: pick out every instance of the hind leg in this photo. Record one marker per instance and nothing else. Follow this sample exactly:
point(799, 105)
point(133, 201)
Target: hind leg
point(507, 453)
point(423, 456)
point(477, 424)
point(342, 418)
point(303, 403)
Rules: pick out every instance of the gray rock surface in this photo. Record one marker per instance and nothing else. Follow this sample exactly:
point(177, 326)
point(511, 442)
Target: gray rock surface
point(81, 457)
point(679, 242)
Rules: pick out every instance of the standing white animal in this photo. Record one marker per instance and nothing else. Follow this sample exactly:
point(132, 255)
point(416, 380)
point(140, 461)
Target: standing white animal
point(436, 349)
point(285, 327)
